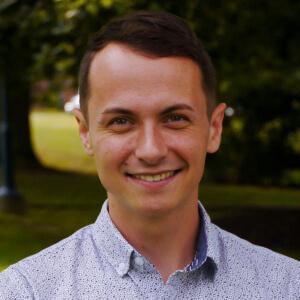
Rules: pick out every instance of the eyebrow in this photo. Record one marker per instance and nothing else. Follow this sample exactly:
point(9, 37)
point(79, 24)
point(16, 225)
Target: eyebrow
point(124, 111)
point(117, 110)
point(179, 106)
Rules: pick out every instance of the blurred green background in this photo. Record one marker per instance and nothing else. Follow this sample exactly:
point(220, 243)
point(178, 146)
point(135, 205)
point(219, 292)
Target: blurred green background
point(251, 187)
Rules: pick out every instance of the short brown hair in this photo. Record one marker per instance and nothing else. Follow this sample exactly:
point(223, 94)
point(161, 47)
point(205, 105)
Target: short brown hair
point(159, 34)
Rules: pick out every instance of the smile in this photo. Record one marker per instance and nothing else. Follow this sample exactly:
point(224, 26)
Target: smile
point(156, 177)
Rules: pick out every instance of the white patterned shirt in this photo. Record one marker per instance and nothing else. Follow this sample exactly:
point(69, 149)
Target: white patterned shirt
point(96, 262)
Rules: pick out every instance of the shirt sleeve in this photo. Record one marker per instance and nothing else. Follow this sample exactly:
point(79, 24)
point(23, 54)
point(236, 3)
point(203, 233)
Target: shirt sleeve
point(13, 285)
point(295, 283)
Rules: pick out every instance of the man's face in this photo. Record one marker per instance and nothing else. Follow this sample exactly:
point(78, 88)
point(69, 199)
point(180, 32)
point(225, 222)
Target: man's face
point(148, 130)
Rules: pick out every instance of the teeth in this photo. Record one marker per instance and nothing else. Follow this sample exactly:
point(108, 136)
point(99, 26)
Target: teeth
point(152, 178)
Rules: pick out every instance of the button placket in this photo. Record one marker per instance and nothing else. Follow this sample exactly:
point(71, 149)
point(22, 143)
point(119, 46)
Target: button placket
point(122, 268)
point(138, 261)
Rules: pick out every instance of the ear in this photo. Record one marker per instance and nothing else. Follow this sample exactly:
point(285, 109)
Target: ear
point(83, 131)
point(215, 128)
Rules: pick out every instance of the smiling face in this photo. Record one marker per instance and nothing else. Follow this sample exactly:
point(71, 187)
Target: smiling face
point(148, 130)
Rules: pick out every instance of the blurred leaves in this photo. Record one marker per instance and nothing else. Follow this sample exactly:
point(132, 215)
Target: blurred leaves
point(255, 46)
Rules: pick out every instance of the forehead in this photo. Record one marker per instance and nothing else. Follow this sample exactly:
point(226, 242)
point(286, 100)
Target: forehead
point(118, 72)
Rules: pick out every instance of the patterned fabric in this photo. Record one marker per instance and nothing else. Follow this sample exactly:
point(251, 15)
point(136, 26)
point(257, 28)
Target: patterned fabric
point(96, 262)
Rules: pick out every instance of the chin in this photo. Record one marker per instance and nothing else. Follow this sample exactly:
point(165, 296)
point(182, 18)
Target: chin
point(152, 205)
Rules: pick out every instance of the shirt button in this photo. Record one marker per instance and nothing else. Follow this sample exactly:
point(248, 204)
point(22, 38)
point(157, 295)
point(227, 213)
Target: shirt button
point(122, 268)
point(138, 261)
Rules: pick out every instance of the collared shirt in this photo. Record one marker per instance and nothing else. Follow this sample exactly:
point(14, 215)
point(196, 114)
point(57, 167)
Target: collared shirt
point(97, 262)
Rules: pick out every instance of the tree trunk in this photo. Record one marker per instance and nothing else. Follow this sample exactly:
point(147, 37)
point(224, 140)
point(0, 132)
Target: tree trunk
point(18, 95)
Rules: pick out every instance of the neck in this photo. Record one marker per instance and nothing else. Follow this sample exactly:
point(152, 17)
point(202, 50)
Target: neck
point(168, 242)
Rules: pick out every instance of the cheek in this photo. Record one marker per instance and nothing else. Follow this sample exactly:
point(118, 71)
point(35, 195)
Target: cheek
point(191, 147)
point(110, 152)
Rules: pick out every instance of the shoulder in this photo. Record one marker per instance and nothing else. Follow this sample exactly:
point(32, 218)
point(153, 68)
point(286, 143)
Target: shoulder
point(242, 249)
point(47, 267)
point(14, 286)
point(273, 270)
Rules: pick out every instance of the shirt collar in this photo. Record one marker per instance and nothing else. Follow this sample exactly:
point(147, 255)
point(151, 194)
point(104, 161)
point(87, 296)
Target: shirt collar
point(118, 251)
point(111, 243)
point(208, 236)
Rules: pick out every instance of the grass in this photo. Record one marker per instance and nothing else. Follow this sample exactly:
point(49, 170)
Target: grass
point(59, 203)
point(56, 141)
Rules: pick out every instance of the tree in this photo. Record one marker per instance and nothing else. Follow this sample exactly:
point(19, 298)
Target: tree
point(256, 49)
point(254, 45)
point(43, 39)
point(15, 64)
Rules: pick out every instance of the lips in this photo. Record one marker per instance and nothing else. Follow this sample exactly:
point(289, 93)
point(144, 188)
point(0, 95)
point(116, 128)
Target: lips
point(154, 177)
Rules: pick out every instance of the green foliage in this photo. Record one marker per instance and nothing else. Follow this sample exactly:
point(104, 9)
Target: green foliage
point(255, 46)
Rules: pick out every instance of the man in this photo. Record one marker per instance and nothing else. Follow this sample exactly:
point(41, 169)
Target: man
point(148, 116)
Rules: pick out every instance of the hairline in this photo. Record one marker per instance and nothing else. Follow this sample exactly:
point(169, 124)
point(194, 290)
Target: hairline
point(210, 101)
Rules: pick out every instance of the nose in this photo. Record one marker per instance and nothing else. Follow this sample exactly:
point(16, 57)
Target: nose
point(151, 148)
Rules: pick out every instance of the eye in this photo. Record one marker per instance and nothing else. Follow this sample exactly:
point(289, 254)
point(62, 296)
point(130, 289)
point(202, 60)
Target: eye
point(176, 118)
point(118, 121)
point(120, 124)
point(176, 121)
